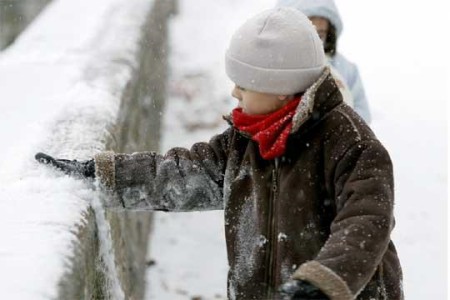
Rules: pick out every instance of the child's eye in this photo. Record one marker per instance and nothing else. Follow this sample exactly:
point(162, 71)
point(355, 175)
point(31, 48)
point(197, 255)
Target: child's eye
point(240, 88)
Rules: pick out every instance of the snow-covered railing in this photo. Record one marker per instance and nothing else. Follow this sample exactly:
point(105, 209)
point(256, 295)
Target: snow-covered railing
point(86, 76)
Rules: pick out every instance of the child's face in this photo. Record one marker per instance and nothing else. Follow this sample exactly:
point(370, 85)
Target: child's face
point(255, 103)
point(322, 26)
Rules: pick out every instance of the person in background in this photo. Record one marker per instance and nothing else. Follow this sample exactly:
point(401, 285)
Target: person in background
point(326, 18)
point(305, 185)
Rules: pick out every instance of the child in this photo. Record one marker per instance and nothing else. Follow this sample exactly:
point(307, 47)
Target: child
point(306, 186)
point(327, 20)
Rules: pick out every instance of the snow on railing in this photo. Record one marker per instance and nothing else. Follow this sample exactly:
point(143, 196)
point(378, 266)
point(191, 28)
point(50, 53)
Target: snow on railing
point(66, 86)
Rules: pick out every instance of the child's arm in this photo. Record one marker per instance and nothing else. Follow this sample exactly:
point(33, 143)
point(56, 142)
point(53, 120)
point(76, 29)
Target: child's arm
point(182, 180)
point(360, 232)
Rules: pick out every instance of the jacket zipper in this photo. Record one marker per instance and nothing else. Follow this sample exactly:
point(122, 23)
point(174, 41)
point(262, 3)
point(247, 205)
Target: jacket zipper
point(381, 282)
point(270, 280)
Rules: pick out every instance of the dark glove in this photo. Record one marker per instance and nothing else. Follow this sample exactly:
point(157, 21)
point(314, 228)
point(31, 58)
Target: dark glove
point(301, 290)
point(71, 167)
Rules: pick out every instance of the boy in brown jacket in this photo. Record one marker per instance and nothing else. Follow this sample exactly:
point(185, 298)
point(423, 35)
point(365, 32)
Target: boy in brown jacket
point(306, 186)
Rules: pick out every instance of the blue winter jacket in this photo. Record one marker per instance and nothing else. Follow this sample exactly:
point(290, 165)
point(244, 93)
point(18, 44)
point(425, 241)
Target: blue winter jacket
point(349, 71)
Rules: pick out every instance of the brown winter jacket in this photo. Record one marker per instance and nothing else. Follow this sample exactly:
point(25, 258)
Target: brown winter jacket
point(322, 213)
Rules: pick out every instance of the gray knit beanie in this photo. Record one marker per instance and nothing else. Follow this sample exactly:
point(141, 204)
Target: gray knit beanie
point(277, 51)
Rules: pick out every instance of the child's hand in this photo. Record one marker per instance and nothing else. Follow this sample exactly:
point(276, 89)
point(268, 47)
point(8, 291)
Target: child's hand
point(84, 169)
point(301, 290)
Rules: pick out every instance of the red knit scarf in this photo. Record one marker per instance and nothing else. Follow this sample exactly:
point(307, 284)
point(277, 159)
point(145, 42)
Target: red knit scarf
point(269, 131)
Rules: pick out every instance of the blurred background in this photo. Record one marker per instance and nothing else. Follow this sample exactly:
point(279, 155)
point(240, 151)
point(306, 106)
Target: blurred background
point(15, 15)
point(401, 48)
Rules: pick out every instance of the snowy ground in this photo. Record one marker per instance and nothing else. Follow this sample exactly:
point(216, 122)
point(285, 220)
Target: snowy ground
point(400, 57)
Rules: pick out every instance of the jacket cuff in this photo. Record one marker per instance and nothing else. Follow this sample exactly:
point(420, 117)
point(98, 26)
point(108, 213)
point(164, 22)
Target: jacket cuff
point(105, 169)
point(325, 279)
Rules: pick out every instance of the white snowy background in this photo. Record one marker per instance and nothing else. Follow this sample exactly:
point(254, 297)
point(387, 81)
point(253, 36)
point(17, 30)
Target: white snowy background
point(401, 49)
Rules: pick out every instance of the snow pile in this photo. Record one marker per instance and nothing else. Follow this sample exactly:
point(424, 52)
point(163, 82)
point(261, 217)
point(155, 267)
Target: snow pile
point(60, 85)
